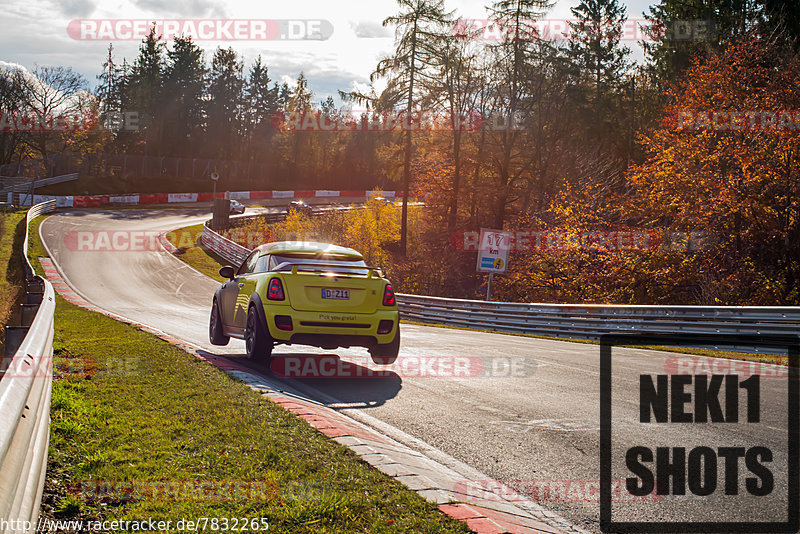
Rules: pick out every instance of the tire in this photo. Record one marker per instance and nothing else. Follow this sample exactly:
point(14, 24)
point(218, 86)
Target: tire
point(386, 353)
point(215, 334)
point(258, 342)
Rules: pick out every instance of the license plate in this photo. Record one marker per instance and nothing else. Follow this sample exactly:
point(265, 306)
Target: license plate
point(341, 294)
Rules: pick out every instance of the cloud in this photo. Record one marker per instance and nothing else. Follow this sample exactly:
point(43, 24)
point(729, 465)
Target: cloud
point(75, 8)
point(183, 8)
point(368, 29)
point(325, 76)
point(12, 67)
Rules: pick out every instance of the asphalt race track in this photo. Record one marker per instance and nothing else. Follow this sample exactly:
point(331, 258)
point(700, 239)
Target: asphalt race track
point(522, 410)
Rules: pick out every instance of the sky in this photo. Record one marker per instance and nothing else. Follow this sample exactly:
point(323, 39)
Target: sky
point(38, 32)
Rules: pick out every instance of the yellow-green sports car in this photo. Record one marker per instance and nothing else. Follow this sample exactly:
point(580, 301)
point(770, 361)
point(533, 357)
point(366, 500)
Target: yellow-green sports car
point(306, 293)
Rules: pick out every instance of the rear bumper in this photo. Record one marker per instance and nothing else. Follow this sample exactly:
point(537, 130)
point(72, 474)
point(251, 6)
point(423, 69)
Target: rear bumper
point(331, 330)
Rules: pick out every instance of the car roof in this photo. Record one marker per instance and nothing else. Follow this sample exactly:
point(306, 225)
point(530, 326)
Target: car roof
point(308, 247)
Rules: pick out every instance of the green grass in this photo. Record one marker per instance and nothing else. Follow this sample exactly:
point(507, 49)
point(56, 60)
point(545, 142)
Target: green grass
point(130, 407)
point(197, 256)
point(35, 247)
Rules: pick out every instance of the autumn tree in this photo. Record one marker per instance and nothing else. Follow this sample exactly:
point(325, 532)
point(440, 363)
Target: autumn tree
point(455, 90)
point(51, 92)
point(725, 162)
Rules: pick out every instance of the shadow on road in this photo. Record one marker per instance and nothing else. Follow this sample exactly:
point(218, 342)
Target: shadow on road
point(347, 381)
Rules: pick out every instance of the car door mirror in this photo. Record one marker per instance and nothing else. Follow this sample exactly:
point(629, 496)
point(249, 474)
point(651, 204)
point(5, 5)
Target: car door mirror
point(227, 272)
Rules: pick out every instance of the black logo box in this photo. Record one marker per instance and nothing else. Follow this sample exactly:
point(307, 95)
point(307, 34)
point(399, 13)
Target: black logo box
point(789, 343)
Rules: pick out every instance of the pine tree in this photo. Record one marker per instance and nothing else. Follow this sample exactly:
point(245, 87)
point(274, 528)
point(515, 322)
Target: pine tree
point(226, 103)
point(598, 63)
point(595, 45)
point(262, 103)
point(300, 103)
point(184, 88)
point(108, 90)
point(417, 28)
point(515, 82)
point(681, 31)
point(146, 85)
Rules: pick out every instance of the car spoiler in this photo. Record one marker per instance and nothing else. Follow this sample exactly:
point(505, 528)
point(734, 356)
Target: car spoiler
point(332, 266)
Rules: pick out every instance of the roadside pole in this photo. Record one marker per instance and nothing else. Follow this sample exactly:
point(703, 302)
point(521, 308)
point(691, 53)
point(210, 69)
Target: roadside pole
point(493, 255)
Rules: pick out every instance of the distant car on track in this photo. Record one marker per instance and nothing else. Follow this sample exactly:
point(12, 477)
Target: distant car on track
point(300, 206)
point(237, 207)
point(306, 293)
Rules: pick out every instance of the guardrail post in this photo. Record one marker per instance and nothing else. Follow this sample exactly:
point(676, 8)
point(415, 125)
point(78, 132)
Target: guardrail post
point(27, 312)
point(14, 337)
point(33, 298)
point(34, 285)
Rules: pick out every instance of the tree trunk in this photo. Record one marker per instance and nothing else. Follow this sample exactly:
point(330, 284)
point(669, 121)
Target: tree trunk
point(453, 215)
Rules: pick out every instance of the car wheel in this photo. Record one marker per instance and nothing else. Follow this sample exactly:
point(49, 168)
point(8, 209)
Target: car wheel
point(257, 341)
point(386, 353)
point(215, 334)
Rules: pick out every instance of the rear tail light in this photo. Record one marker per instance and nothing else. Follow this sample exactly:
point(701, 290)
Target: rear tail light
point(283, 322)
point(275, 290)
point(388, 295)
point(385, 326)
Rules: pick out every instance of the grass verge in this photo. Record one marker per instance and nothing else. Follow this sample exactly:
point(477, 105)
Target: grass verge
point(188, 240)
point(12, 226)
point(209, 263)
point(140, 429)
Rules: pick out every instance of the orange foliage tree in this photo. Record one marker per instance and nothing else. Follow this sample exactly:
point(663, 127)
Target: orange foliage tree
point(726, 161)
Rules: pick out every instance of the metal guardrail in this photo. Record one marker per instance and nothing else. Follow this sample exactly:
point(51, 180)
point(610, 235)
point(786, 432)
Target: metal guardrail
point(590, 321)
point(25, 389)
point(33, 212)
point(22, 185)
point(222, 246)
point(583, 321)
point(235, 253)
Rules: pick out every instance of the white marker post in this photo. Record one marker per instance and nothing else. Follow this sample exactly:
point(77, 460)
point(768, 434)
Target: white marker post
point(493, 254)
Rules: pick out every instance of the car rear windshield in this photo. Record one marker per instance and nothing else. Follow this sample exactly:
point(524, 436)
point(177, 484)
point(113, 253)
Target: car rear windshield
point(334, 262)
